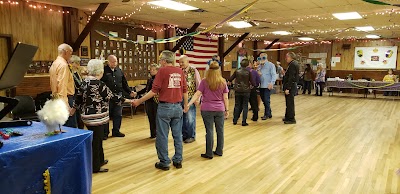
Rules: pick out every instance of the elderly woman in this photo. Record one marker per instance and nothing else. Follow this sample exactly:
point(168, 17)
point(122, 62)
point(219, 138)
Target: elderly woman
point(92, 100)
point(319, 80)
point(75, 64)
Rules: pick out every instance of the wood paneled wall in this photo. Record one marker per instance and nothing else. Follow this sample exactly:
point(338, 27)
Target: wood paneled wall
point(305, 50)
point(33, 26)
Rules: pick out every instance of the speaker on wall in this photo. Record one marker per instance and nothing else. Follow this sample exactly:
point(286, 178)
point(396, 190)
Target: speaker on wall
point(346, 46)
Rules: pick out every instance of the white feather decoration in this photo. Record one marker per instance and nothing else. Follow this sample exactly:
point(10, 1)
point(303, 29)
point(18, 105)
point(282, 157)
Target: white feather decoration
point(53, 114)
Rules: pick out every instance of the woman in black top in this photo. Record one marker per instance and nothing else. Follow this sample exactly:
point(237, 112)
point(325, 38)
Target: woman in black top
point(151, 104)
point(75, 63)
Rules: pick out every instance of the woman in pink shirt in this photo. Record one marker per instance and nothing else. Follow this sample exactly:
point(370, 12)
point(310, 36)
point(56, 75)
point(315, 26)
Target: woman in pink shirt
point(214, 108)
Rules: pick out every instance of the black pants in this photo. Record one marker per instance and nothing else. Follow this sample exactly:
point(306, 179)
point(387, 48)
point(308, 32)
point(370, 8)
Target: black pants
point(289, 115)
point(115, 112)
point(97, 146)
point(151, 110)
point(307, 86)
point(241, 104)
point(319, 86)
point(254, 103)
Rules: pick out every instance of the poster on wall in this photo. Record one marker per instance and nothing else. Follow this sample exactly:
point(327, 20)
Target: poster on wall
point(383, 57)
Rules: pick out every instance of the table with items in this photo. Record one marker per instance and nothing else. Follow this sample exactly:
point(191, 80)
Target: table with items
point(34, 161)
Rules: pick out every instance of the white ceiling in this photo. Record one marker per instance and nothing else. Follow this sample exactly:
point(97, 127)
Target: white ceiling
point(283, 14)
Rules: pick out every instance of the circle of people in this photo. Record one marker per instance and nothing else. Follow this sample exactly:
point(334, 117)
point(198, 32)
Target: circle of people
point(171, 96)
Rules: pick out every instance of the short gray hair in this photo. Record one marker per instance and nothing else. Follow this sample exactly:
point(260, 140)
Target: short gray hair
point(74, 59)
point(168, 56)
point(154, 65)
point(292, 55)
point(63, 47)
point(95, 67)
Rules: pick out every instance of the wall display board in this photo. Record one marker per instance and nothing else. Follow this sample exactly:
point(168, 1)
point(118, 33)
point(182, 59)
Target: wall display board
point(133, 59)
point(383, 57)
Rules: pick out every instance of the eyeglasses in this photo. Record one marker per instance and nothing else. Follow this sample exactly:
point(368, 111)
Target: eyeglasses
point(261, 58)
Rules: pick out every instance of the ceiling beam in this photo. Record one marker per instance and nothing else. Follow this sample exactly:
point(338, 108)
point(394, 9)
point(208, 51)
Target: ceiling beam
point(240, 39)
point(271, 44)
point(181, 41)
point(95, 17)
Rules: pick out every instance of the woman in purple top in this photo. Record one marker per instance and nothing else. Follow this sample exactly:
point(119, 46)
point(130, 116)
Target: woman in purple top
point(214, 108)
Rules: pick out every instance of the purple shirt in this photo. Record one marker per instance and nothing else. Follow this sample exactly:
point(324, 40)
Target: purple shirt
point(254, 75)
point(212, 100)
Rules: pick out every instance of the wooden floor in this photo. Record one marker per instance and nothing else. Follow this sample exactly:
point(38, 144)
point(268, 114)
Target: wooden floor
point(339, 145)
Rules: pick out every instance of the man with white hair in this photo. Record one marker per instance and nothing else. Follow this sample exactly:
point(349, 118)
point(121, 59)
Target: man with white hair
point(189, 119)
point(268, 78)
point(116, 81)
point(62, 82)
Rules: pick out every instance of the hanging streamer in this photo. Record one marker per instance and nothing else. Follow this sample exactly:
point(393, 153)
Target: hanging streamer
point(281, 49)
point(176, 38)
point(380, 3)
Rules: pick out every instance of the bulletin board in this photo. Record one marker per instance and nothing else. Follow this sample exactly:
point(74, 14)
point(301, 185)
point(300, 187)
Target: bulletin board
point(133, 59)
point(383, 57)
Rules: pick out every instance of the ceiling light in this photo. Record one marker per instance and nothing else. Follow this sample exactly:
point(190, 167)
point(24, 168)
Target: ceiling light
point(281, 33)
point(365, 28)
point(306, 38)
point(240, 24)
point(372, 36)
point(173, 5)
point(347, 16)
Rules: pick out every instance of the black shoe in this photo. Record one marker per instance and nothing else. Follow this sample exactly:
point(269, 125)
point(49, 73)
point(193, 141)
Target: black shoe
point(189, 140)
point(101, 170)
point(289, 122)
point(205, 156)
point(253, 119)
point(264, 118)
point(215, 153)
point(159, 166)
point(105, 137)
point(152, 137)
point(177, 165)
point(234, 123)
point(245, 124)
point(119, 134)
point(105, 162)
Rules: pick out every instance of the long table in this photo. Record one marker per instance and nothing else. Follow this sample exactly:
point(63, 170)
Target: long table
point(67, 157)
point(364, 85)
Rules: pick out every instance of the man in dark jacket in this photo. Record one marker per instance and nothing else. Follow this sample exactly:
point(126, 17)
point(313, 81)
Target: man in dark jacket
point(116, 81)
point(290, 86)
point(244, 82)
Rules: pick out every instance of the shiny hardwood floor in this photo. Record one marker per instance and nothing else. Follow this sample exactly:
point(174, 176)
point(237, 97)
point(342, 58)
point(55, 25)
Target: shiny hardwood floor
point(339, 145)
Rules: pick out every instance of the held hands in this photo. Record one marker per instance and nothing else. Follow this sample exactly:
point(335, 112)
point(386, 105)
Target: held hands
point(133, 94)
point(270, 86)
point(287, 92)
point(186, 108)
point(226, 114)
point(72, 111)
point(135, 103)
point(197, 103)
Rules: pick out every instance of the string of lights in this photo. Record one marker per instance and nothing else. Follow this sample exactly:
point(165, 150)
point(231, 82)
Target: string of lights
point(35, 5)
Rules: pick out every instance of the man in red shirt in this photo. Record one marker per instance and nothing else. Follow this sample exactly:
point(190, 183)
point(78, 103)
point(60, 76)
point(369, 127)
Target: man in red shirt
point(171, 86)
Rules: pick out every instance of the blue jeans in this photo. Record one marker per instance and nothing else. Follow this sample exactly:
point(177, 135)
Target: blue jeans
point(189, 123)
point(71, 122)
point(210, 118)
point(241, 104)
point(169, 116)
point(115, 112)
point(265, 94)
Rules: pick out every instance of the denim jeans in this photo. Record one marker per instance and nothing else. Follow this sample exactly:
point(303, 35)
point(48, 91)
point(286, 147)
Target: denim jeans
point(115, 112)
point(71, 122)
point(189, 123)
point(265, 94)
point(241, 104)
point(169, 116)
point(210, 118)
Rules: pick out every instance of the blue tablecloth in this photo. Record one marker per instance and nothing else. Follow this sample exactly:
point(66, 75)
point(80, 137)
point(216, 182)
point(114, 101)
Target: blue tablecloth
point(68, 156)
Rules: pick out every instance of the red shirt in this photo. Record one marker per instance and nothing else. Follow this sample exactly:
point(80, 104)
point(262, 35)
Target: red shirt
point(170, 84)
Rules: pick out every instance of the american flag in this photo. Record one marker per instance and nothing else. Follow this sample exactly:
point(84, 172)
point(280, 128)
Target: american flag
point(199, 49)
